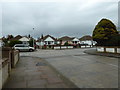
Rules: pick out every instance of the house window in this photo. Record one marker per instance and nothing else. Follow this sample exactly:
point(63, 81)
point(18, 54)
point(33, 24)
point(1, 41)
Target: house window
point(45, 42)
point(75, 42)
point(49, 42)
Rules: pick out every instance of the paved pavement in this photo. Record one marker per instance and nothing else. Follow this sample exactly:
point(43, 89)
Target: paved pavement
point(84, 70)
point(34, 73)
point(94, 52)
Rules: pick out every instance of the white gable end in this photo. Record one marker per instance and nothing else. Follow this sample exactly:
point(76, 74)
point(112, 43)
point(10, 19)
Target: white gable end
point(24, 39)
point(75, 39)
point(49, 39)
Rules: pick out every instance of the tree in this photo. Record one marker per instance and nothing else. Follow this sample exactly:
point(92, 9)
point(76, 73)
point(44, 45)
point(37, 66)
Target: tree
point(114, 41)
point(10, 37)
point(104, 31)
point(12, 43)
point(31, 43)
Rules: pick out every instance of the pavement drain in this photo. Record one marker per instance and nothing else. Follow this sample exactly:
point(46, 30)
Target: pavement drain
point(40, 64)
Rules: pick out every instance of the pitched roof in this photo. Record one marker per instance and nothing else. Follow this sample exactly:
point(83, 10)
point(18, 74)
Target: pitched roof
point(87, 37)
point(16, 38)
point(45, 37)
point(66, 38)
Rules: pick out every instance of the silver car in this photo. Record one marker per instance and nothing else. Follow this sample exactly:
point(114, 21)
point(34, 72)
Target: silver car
point(23, 47)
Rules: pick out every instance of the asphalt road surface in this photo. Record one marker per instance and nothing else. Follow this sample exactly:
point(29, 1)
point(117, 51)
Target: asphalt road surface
point(84, 70)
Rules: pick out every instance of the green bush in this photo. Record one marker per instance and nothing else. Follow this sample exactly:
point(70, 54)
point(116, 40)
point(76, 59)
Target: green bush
point(12, 43)
point(114, 41)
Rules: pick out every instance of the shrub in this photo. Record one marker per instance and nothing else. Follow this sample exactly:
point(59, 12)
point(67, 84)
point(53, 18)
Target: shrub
point(12, 43)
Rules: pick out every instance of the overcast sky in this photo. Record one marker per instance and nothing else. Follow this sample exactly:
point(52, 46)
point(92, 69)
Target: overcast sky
point(55, 18)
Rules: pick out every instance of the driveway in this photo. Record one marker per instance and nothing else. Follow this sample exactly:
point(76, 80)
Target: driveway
point(84, 70)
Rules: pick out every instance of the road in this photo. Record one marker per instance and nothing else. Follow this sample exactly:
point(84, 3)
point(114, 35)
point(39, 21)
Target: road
point(84, 70)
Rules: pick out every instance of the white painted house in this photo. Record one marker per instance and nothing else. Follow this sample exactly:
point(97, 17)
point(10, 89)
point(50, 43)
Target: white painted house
point(46, 40)
point(75, 41)
point(87, 40)
point(23, 39)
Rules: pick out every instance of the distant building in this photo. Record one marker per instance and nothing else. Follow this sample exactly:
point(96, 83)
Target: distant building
point(23, 39)
point(87, 40)
point(70, 40)
point(75, 40)
point(50, 40)
point(0, 42)
point(46, 40)
point(65, 39)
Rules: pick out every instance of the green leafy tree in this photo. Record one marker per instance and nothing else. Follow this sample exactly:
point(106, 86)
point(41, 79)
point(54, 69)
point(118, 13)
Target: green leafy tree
point(104, 31)
point(114, 41)
point(31, 43)
point(12, 43)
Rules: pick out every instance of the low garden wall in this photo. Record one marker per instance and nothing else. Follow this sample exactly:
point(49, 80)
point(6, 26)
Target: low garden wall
point(0, 74)
point(12, 55)
point(9, 60)
point(7, 53)
point(71, 47)
point(86, 46)
point(108, 49)
point(4, 71)
point(63, 47)
point(15, 58)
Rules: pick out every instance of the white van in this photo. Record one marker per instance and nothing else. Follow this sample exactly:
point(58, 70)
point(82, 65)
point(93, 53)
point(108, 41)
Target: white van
point(23, 47)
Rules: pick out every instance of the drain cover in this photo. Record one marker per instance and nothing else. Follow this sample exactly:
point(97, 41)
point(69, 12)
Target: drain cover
point(40, 64)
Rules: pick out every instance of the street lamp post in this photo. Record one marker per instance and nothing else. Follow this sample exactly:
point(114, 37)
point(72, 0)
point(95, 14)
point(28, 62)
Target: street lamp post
point(33, 38)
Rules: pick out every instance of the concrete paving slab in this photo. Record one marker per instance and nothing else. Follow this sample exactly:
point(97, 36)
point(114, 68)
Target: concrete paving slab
point(28, 75)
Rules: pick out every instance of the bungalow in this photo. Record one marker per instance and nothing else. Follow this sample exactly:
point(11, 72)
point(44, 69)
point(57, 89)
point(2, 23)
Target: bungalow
point(70, 40)
point(46, 40)
point(87, 40)
point(0, 42)
point(75, 41)
point(65, 39)
point(23, 39)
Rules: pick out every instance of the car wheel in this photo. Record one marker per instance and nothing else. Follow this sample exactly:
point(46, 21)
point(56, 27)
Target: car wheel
point(31, 50)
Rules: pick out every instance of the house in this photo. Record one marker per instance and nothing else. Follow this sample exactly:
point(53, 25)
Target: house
point(75, 40)
point(70, 40)
point(23, 39)
point(87, 40)
point(0, 42)
point(46, 40)
point(65, 39)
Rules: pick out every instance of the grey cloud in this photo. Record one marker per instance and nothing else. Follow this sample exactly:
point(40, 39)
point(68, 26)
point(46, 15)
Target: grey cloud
point(54, 18)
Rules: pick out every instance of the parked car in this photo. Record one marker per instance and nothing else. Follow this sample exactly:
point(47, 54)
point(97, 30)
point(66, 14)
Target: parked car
point(23, 47)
